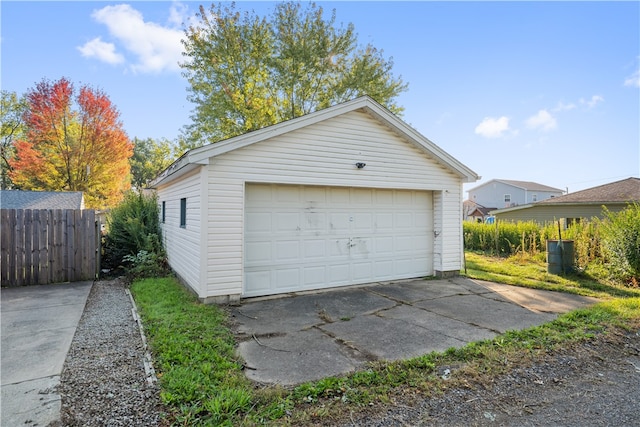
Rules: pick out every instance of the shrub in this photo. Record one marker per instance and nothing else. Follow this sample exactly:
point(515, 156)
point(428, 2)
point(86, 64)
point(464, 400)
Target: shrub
point(134, 236)
point(621, 242)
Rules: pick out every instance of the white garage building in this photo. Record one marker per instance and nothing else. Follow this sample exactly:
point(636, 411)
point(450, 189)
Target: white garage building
point(343, 196)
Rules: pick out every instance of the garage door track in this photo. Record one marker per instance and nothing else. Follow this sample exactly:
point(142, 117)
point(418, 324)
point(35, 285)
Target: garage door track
point(304, 337)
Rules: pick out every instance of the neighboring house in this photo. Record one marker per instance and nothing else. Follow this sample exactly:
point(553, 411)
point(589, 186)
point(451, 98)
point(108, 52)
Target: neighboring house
point(346, 195)
point(18, 199)
point(572, 207)
point(475, 212)
point(505, 193)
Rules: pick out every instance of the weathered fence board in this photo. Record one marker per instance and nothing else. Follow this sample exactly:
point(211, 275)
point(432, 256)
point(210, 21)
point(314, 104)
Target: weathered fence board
point(48, 246)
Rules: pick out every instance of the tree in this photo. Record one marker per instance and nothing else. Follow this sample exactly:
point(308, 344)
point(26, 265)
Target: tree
point(72, 143)
point(12, 109)
point(150, 157)
point(247, 72)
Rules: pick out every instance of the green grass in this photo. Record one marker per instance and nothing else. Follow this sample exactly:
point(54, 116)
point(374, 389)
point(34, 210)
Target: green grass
point(531, 272)
point(203, 383)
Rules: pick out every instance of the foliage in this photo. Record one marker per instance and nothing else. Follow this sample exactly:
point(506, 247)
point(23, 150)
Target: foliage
point(73, 141)
point(150, 157)
point(194, 354)
point(503, 238)
point(134, 235)
point(621, 242)
point(12, 109)
point(247, 72)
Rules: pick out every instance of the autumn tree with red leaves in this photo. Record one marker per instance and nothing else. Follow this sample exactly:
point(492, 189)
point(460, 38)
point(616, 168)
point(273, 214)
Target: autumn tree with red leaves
point(73, 142)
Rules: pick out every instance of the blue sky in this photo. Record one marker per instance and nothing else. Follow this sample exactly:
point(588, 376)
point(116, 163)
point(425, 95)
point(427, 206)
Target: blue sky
point(535, 91)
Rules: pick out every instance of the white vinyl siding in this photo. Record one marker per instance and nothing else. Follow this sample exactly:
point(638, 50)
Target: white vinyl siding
point(493, 195)
point(322, 154)
point(183, 243)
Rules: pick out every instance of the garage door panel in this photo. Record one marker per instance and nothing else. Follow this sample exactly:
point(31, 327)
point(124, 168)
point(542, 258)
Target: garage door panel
point(258, 252)
point(361, 197)
point(315, 195)
point(339, 222)
point(338, 248)
point(384, 246)
point(258, 281)
point(286, 194)
point(339, 196)
point(287, 278)
point(314, 221)
point(287, 250)
point(339, 273)
point(304, 237)
point(363, 222)
point(383, 222)
point(287, 222)
point(259, 222)
point(363, 271)
point(403, 220)
point(315, 276)
point(315, 249)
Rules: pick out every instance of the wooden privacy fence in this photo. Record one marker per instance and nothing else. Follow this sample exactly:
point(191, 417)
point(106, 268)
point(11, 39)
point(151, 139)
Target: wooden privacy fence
point(48, 246)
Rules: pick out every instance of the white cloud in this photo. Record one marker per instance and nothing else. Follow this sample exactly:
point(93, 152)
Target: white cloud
point(542, 120)
point(591, 103)
point(105, 52)
point(564, 107)
point(157, 48)
point(633, 80)
point(492, 127)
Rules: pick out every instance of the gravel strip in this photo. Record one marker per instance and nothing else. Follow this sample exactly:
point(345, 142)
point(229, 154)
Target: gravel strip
point(103, 382)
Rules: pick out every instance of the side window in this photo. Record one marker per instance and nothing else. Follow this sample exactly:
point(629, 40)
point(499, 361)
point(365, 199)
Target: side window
point(534, 197)
point(183, 212)
point(507, 198)
point(164, 211)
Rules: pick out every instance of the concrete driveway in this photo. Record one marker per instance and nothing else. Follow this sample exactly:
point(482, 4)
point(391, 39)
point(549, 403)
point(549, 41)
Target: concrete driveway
point(297, 338)
point(38, 324)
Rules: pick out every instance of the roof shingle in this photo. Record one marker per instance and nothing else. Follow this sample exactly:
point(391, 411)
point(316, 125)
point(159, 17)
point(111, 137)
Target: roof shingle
point(17, 199)
point(625, 191)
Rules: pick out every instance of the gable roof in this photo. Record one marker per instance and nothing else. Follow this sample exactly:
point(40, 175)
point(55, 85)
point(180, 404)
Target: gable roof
point(18, 199)
point(624, 191)
point(525, 185)
point(201, 155)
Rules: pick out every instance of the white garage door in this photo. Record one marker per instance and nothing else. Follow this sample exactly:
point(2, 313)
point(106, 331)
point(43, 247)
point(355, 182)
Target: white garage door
point(305, 237)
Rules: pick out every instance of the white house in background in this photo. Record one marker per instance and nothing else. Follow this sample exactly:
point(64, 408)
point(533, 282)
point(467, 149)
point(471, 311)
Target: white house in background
point(505, 193)
point(343, 196)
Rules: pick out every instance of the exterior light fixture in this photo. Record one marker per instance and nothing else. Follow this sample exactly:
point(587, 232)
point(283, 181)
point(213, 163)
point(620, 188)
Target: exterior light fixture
point(360, 165)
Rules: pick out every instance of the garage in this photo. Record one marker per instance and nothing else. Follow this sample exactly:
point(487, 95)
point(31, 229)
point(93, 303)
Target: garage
point(342, 196)
point(309, 237)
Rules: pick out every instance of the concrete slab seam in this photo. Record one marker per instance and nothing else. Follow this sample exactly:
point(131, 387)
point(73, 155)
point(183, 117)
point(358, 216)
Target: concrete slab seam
point(147, 361)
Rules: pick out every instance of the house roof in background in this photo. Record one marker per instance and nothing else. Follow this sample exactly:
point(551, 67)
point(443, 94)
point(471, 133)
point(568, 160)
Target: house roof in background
point(625, 191)
point(525, 185)
point(17, 199)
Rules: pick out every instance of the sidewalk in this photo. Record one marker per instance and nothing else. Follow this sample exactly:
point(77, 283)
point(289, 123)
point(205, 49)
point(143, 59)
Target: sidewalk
point(38, 325)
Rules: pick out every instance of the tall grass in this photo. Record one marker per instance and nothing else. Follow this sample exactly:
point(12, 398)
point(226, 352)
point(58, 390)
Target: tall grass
point(503, 238)
point(610, 246)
